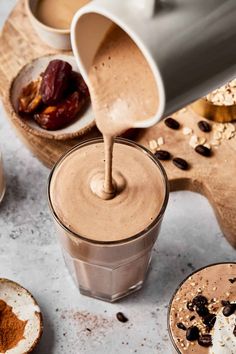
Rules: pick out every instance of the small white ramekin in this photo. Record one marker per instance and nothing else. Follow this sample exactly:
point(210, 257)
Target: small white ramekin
point(56, 38)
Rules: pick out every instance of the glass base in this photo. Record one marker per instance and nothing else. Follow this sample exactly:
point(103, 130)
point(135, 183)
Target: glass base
point(108, 284)
point(114, 297)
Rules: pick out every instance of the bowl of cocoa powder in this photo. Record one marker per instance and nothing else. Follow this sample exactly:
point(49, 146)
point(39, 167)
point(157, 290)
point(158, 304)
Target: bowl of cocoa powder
point(21, 324)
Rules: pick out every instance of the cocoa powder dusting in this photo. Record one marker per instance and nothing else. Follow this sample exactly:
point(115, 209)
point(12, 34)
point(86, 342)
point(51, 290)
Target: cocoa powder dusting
point(11, 328)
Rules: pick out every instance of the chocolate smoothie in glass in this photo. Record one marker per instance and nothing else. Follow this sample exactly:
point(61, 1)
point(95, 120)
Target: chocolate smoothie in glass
point(108, 196)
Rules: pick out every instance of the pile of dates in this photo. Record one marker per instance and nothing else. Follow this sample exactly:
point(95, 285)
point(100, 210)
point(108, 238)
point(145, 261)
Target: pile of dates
point(55, 98)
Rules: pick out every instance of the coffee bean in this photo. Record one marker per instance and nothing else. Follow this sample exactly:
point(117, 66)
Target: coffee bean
point(233, 280)
point(163, 155)
point(180, 163)
point(192, 333)
point(200, 300)
point(209, 320)
point(203, 150)
point(234, 331)
point(225, 302)
point(202, 311)
point(204, 126)
point(205, 340)
point(190, 306)
point(180, 325)
point(121, 317)
point(192, 318)
point(172, 123)
point(228, 310)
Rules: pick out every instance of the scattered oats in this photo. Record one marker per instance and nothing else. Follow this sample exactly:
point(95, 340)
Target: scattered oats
point(220, 127)
point(207, 145)
point(225, 95)
point(182, 345)
point(160, 141)
point(214, 289)
point(199, 290)
point(215, 142)
point(187, 131)
point(231, 127)
point(153, 145)
point(227, 294)
point(228, 134)
point(202, 140)
point(193, 142)
point(217, 135)
point(193, 284)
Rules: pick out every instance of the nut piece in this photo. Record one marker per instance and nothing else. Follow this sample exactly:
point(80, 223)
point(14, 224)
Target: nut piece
point(57, 117)
point(30, 98)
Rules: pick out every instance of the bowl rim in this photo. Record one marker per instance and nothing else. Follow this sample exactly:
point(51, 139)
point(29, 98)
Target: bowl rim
point(173, 342)
point(140, 234)
point(39, 314)
point(46, 27)
point(44, 133)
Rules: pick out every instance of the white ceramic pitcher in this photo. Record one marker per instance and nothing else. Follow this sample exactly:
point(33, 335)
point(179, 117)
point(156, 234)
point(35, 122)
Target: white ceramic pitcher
point(190, 45)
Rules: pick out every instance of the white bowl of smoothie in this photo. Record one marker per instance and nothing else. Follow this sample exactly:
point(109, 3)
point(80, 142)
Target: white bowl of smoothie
point(51, 20)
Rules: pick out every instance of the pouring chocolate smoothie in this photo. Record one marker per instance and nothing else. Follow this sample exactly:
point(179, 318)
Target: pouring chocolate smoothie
point(123, 90)
point(109, 208)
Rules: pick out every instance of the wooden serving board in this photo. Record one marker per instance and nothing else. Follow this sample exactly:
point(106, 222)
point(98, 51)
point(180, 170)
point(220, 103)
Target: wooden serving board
point(213, 177)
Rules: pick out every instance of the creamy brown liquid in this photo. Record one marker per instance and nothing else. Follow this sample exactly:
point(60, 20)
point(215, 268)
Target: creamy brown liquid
point(140, 193)
point(58, 13)
point(101, 196)
point(123, 90)
point(211, 282)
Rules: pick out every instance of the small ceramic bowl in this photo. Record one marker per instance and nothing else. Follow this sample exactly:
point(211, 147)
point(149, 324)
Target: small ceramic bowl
point(83, 124)
point(25, 307)
point(56, 38)
point(209, 110)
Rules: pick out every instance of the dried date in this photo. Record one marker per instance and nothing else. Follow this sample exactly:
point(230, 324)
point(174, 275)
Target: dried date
point(77, 83)
point(55, 81)
point(30, 98)
point(61, 115)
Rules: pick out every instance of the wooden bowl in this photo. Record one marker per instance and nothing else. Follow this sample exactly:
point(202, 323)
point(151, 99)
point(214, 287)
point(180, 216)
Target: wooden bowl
point(217, 113)
point(31, 71)
point(25, 307)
